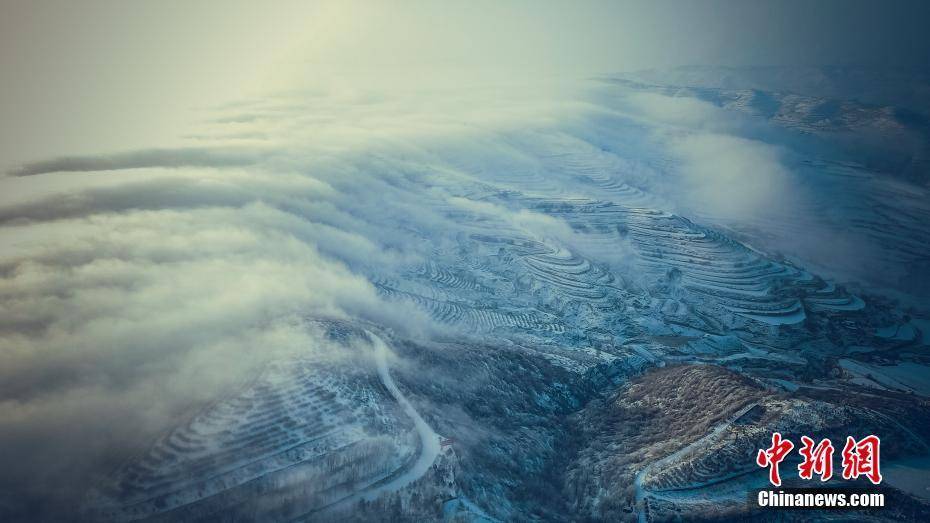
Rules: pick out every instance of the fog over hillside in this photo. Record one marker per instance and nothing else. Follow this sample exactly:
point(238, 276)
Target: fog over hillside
point(388, 262)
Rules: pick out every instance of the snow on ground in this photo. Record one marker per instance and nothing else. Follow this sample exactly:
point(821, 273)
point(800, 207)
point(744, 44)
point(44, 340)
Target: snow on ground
point(462, 509)
point(905, 332)
point(924, 327)
point(905, 376)
point(429, 440)
point(911, 476)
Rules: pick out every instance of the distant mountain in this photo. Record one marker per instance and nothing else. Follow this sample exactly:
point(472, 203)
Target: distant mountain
point(906, 88)
point(879, 116)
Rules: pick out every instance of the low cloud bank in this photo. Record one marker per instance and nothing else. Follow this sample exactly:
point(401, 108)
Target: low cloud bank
point(160, 278)
point(178, 157)
point(734, 177)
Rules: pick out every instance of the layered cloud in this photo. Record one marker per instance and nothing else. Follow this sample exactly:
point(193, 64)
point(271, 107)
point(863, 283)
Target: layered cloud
point(137, 285)
point(118, 317)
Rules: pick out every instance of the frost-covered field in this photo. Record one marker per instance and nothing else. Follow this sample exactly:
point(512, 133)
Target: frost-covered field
point(479, 303)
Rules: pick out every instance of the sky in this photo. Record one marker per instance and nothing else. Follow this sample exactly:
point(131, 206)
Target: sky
point(102, 74)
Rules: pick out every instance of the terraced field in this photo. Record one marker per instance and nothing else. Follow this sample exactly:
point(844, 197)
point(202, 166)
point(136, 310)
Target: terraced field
point(630, 286)
point(626, 265)
point(304, 435)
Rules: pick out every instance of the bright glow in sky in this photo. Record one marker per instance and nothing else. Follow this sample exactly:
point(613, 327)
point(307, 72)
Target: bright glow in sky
point(97, 75)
